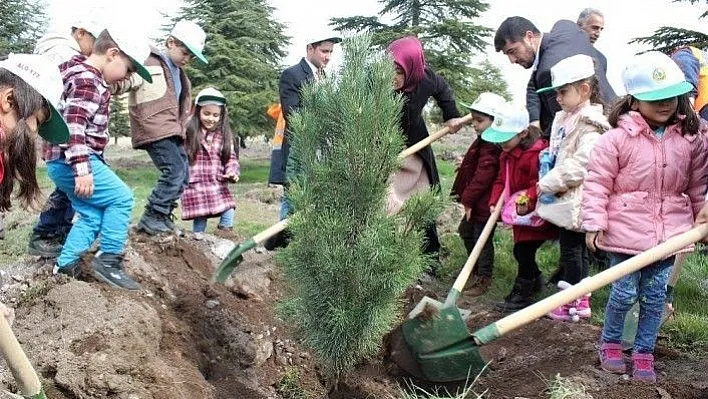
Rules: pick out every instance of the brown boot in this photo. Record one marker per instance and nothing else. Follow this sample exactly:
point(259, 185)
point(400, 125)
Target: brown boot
point(478, 286)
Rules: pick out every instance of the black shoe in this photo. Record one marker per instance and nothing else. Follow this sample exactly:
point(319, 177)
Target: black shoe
point(109, 268)
point(520, 297)
point(538, 285)
point(45, 247)
point(72, 269)
point(153, 222)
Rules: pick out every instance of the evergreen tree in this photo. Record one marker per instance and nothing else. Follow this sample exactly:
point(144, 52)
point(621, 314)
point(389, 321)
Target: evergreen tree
point(244, 46)
point(349, 262)
point(668, 38)
point(21, 24)
point(119, 121)
point(446, 28)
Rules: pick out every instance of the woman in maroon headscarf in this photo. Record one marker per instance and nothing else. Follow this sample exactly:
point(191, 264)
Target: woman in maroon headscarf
point(418, 83)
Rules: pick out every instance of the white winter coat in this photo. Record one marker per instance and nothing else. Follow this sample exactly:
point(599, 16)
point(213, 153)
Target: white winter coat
point(570, 168)
point(58, 46)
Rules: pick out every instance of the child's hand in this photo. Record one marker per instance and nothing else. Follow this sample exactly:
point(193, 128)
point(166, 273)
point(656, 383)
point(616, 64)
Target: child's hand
point(491, 209)
point(591, 238)
point(83, 185)
point(702, 218)
point(468, 213)
point(232, 177)
point(522, 210)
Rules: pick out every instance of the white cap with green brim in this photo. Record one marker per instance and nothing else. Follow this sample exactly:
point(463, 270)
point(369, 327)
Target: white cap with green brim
point(192, 36)
point(135, 46)
point(487, 103)
point(89, 25)
point(654, 76)
point(210, 95)
point(509, 121)
point(324, 36)
point(570, 70)
point(42, 74)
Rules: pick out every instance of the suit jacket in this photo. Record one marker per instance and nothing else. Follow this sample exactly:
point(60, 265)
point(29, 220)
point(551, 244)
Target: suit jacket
point(291, 81)
point(564, 40)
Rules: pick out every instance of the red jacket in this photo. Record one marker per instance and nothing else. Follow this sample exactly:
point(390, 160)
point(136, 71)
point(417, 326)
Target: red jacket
point(475, 177)
point(523, 166)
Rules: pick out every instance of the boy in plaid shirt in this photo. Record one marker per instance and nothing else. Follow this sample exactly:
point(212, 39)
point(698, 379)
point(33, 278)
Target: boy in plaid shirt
point(102, 200)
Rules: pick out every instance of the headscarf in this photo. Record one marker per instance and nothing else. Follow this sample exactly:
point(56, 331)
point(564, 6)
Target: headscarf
point(408, 54)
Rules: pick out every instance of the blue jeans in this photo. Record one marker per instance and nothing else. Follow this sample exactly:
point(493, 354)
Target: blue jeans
point(57, 218)
point(169, 156)
point(648, 285)
point(285, 207)
point(106, 212)
point(225, 220)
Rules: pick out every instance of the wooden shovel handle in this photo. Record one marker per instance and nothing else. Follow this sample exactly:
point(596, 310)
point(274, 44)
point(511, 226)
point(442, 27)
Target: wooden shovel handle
point(270, 231)
point(20, 366)
point(600, 280)
point(430, 139)
point(477, 250)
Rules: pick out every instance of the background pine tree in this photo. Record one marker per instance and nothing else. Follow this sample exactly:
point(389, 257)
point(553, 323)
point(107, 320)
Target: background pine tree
point(119, 122)
point(244, 47)
point(449, 36)
point(667, 38)
point(349, 262)
point(21, 24)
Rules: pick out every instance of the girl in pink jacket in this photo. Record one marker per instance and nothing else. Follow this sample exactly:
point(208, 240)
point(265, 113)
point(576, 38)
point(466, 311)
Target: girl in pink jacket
point(646, 182)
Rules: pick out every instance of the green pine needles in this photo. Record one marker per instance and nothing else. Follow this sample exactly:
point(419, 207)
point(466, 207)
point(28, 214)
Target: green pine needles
point(349, 263)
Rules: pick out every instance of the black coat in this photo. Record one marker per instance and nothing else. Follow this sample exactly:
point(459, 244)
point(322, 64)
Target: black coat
point(412, 121)
point(564, 40)
point(291, 82)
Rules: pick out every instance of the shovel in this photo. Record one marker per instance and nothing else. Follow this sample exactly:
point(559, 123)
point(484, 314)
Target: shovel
point(235, 257)
point(631, 321)
point(19, 365)
point(460, 359)
point(433, 325)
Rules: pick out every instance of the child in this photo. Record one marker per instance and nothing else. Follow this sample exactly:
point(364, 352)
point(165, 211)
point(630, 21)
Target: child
point(55, 221)
point(213, 162)
point(103, 201)
point(471, 188)
point(30, 91)
point(521, 145)
point(574, 132)
point(645, 183)
point(159, 113)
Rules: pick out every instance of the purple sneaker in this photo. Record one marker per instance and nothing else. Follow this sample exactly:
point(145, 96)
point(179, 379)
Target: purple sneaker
point(643, 367)
point(611, 358)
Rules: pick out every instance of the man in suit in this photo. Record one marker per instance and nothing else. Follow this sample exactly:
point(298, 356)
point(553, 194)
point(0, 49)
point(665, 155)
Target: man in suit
point(520, 40)
point(310, 68)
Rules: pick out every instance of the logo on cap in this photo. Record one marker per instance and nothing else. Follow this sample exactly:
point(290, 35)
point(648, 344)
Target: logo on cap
point(659, 74)
point(498, 122)
point(28, 69)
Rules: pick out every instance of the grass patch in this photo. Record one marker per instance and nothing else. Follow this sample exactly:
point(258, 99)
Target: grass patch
point(290, 386)
point(566, 388)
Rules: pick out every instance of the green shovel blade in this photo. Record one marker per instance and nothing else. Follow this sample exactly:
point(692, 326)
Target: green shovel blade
point(40, 395)
point(435, 333)
point(459, 362)
point(232, 260)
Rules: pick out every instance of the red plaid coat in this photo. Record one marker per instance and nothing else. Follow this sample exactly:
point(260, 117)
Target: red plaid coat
point(207, 193)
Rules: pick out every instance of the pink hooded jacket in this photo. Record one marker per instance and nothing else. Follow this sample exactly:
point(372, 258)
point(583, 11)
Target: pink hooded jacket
point(642, 190)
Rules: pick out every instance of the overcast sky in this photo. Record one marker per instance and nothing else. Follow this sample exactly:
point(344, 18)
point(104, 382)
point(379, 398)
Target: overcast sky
point(625, 19)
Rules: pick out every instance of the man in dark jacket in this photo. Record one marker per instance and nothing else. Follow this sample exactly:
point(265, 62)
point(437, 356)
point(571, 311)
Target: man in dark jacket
point(311, 67)
point(524, 44)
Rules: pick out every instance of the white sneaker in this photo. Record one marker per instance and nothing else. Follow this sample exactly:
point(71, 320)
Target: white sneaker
point(198, 236)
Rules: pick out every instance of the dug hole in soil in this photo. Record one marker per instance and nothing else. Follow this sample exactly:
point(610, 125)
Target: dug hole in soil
point(185, 337)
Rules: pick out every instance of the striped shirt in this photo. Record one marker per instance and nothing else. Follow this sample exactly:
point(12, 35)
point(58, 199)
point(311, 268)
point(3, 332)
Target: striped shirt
point(84, 106)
